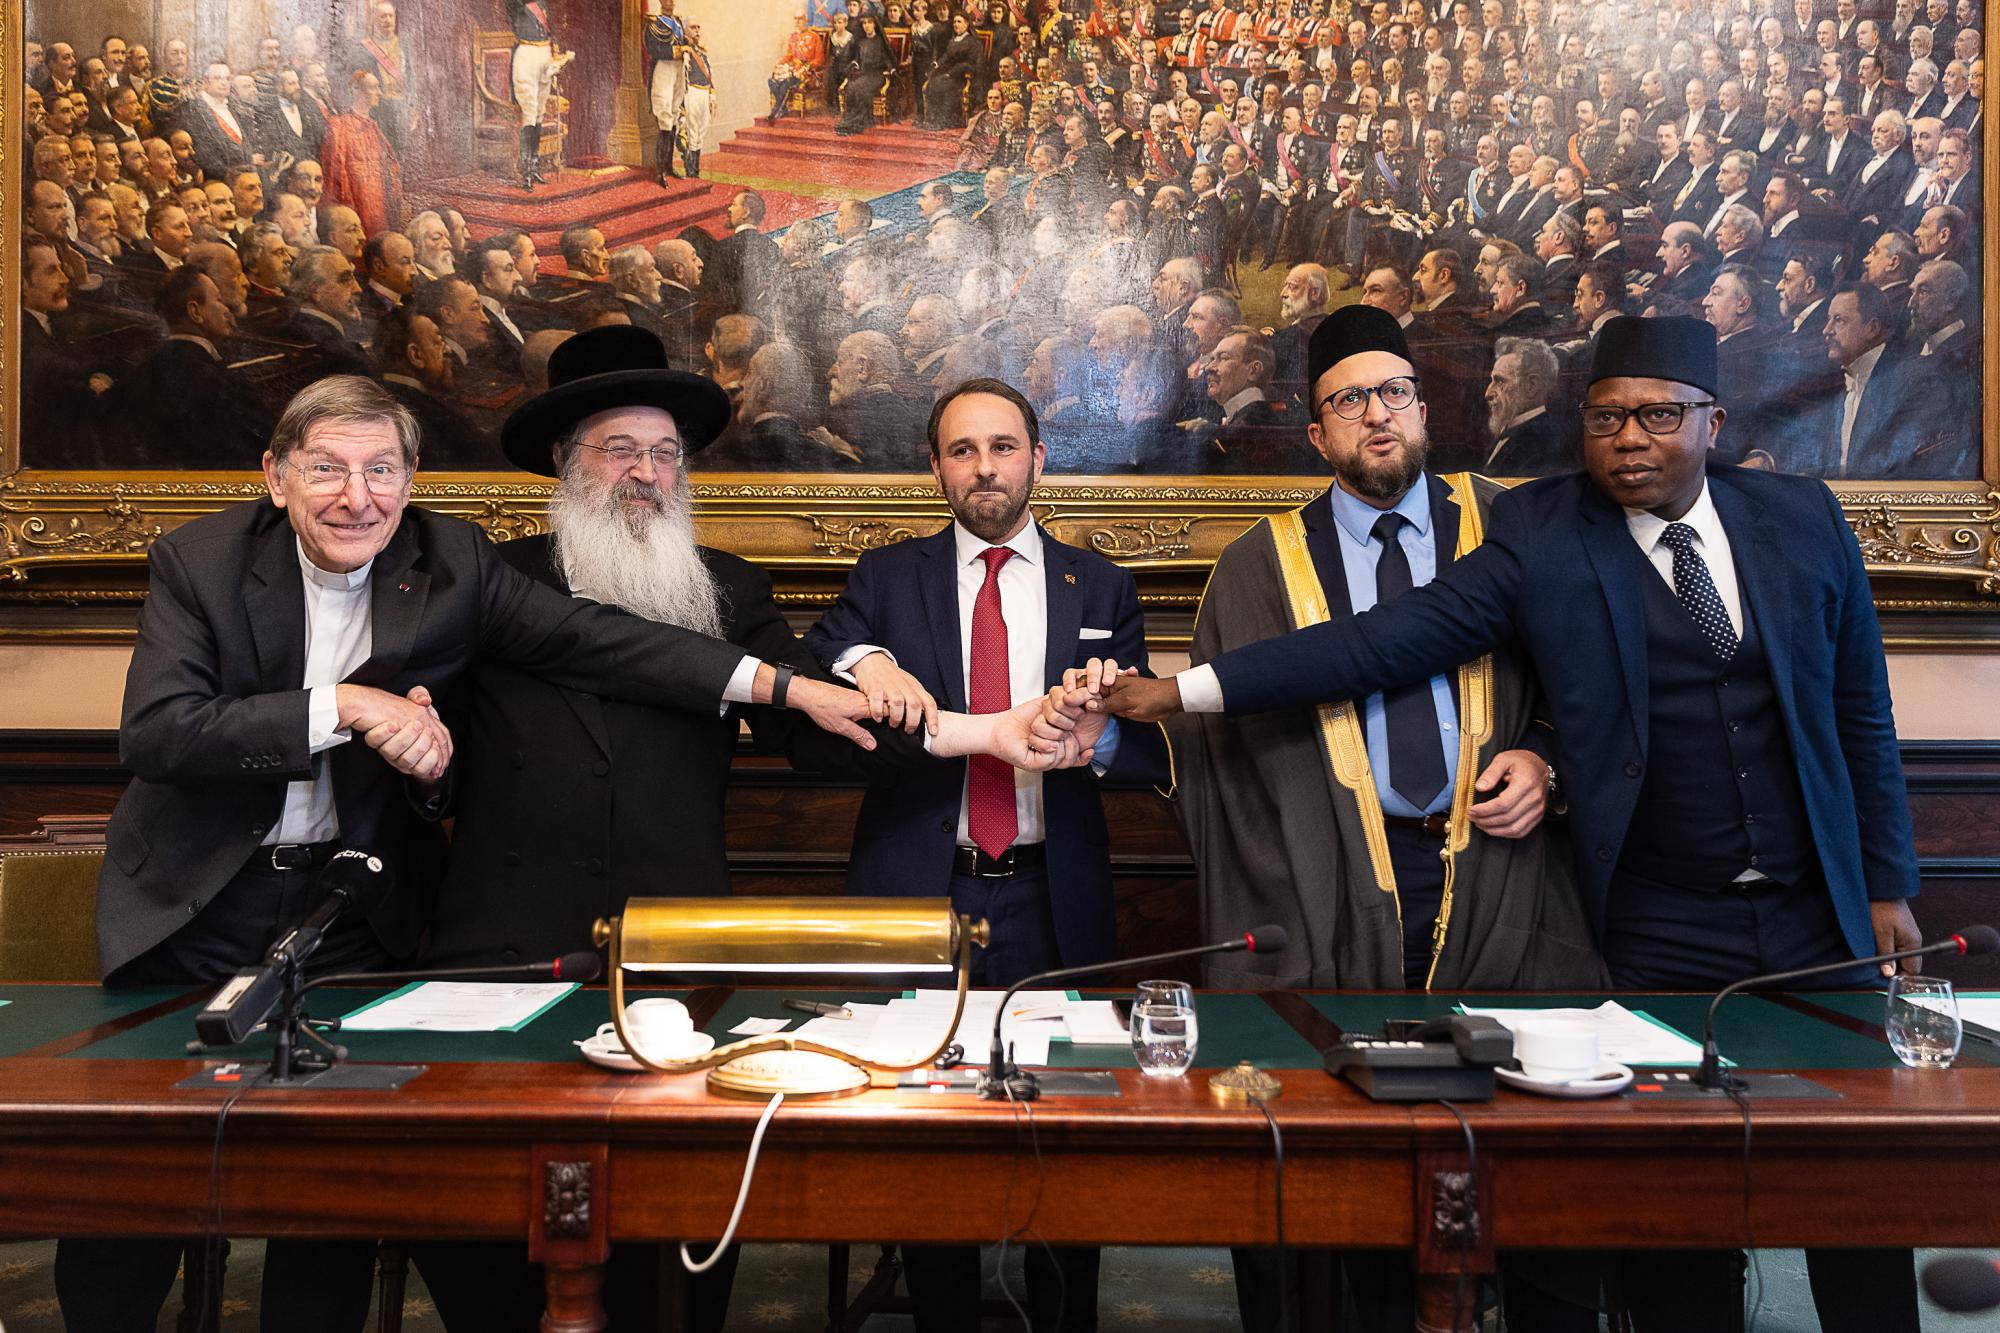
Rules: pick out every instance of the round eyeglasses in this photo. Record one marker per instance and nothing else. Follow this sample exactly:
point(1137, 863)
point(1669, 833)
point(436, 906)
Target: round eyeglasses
point(1654, 418)
point(1397, 392)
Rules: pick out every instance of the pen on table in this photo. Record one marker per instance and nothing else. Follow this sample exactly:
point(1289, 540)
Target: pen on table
point(815, 1007)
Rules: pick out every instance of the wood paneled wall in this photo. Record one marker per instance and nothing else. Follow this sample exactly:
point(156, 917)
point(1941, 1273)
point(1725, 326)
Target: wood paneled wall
point(789, 832)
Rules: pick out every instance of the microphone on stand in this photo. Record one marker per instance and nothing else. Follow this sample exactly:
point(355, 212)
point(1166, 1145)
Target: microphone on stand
point(1962, 1283)
point(583, 965)
point(1001, 1079)
point(1970, 943)
point(353, 879)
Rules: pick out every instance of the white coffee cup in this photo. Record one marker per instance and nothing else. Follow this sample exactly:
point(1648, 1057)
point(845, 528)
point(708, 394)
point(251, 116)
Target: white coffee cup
point(659, 1026)
point(1556, 1050)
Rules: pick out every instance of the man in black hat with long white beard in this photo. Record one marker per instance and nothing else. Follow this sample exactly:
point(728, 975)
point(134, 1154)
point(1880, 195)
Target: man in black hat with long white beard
point(1709, 647)
point(568, 803)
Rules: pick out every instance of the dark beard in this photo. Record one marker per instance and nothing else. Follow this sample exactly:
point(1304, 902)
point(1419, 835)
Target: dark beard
point(1389, 479)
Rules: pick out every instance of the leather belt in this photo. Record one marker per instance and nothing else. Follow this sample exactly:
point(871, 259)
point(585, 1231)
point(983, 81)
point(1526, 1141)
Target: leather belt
point(302, 855)
point(1436, 826)
point(1021, 856)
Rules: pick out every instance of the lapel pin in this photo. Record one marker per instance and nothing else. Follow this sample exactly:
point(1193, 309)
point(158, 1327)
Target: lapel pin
point(402, 587)
point(1069, 578)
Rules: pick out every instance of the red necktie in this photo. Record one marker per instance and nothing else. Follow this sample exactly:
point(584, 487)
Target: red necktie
point(989, 810)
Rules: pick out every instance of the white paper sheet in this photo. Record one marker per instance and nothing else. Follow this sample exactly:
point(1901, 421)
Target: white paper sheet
point(1981, 1008)
point(1628, 1037)
point(457, 1006)
point(1096, 1023)
point(760, 1027)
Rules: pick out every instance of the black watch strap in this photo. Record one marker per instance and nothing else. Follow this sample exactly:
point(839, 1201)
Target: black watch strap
point(781, 684)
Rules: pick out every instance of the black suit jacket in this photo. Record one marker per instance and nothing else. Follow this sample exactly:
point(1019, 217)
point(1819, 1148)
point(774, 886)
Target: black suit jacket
point(215, 715)
point(218, 421)
point(1881, 195)
point(562, 796)
point(746, 265)
point(1533, 449)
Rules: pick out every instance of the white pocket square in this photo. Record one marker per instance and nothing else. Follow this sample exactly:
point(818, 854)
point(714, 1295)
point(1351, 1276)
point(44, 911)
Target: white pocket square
point(1093, 634)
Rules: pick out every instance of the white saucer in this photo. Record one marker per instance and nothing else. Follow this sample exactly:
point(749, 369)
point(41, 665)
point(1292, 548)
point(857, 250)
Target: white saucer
point(607, 1052)
point(1608, 1078)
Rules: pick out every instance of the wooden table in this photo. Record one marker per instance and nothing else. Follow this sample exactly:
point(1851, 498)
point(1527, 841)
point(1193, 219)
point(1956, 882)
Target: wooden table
point(95, 1140)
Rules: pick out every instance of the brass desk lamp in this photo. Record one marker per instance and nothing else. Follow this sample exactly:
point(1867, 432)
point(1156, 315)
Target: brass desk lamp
point(835, 936)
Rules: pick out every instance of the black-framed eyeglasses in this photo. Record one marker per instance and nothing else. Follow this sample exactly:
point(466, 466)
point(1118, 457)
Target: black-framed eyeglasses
point(625, 457)
point(1349, 404)
point(1654, 418)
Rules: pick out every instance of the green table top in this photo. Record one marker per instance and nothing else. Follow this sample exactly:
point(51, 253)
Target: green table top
point(1233, 1027)
point(1757, 1032)
point(36, 1015)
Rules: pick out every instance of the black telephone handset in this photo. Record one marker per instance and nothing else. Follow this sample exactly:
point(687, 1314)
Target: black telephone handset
point(1421, 1060)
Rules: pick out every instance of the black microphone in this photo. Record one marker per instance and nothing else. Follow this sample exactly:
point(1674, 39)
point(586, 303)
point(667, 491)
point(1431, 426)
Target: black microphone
point(1962, 1283)
point(352, 878)
point(999, 1080)
point(1970, 942)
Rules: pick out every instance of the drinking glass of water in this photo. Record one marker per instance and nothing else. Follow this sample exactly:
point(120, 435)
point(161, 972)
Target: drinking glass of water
point(1923, 1021)
point(1164, 1028)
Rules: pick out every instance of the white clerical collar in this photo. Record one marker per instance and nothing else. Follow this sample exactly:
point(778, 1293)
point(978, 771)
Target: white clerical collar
point(1647, 527)
point(326, 578)
point(1025, 544)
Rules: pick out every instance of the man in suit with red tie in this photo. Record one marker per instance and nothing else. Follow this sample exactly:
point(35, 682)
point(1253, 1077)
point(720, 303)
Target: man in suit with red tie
point(985, 614)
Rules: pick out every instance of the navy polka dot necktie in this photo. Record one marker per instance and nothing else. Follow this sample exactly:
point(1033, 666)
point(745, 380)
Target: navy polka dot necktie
point(1697, 593)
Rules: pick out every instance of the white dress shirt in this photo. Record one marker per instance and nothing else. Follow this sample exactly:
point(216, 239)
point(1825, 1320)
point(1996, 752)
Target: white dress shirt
point(1857, 376)
point(339, 637)
point(1710, 542)
point(1024, 605)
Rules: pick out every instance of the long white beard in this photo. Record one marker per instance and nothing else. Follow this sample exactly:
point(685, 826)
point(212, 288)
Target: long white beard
point(641, 560)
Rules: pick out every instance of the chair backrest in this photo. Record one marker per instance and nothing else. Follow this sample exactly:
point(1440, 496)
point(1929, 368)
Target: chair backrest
point(48, 913)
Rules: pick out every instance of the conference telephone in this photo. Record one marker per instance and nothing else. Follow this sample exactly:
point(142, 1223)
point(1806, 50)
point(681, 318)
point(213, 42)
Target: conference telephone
point(1422, 1060)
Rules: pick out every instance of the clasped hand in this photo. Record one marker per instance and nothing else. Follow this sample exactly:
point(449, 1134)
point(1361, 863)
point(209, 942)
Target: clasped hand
point(404, 729)
point(1075, 710)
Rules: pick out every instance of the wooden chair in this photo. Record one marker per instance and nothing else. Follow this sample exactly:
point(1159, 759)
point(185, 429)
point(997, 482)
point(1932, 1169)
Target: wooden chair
point(48, 909)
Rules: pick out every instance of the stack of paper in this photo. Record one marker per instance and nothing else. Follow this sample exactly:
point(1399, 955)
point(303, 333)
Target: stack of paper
point(907, 1027)
point(1630, 1037)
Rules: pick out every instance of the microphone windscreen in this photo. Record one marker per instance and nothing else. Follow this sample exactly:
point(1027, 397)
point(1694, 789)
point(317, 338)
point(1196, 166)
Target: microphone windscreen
point(1268, 939)
point(1962, 1283)
point(583, 965)
point(360, 874)
point(1979, 940)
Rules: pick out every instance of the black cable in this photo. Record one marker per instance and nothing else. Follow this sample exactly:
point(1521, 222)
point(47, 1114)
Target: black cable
point(1472, 1196)
point(211, 1248)
point(1749, 1236)
point(1284, 1260)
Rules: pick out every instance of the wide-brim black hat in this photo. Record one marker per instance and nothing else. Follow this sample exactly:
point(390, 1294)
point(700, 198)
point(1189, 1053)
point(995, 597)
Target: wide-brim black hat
point(616, 365)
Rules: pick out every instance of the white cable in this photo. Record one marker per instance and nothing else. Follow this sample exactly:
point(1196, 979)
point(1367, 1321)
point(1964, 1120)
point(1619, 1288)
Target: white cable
point(742, 1194)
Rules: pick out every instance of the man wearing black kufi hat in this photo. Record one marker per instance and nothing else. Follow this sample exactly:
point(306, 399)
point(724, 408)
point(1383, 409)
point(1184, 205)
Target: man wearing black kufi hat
point(1331, 822)
point(568, 803)
point(1709, 649)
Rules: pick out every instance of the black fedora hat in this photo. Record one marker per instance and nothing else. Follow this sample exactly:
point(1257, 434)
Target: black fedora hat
point(602, 368)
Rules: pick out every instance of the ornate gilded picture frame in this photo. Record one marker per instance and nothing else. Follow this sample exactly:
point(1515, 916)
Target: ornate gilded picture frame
point(1161, 485)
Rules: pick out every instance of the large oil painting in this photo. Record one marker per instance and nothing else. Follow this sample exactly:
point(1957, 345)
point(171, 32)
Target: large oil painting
point(1135, 212)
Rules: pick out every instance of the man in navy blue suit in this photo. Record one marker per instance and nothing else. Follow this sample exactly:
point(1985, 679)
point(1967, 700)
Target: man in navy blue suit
point(989, 612)
point(1709, 649)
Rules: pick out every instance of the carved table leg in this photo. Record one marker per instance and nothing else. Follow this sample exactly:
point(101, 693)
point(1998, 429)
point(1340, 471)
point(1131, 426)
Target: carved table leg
point(576, 1299)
